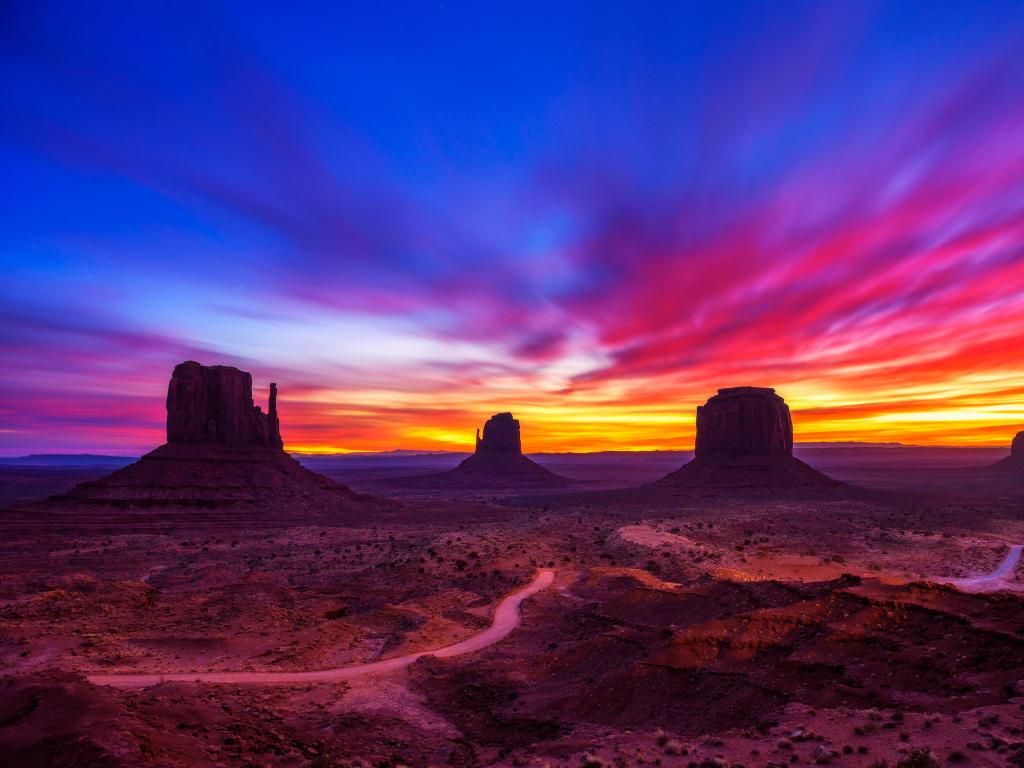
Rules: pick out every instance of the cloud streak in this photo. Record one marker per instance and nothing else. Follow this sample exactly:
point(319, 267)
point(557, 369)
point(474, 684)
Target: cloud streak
point(828, 200)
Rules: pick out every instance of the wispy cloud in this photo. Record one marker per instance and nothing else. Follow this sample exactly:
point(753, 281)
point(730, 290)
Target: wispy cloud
point(829, 201)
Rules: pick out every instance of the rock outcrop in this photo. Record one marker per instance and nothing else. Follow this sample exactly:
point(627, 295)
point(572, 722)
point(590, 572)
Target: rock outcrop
point(501, 435)
point(213, 404)
point(744, 421)
point(499, 449)
point(1012, 465)
point(497, 463)
point(223, 465)
point(745, 444)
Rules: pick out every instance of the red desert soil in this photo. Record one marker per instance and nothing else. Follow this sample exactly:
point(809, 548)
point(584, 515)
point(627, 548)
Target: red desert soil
point(705, 630)
point(506, 618)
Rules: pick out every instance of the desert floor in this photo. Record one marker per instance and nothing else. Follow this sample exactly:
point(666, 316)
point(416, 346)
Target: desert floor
point(840, 631)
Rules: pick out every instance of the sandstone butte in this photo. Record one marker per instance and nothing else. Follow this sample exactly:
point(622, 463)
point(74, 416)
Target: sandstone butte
point(224, 462)
point(745, 443)
point(497, 463)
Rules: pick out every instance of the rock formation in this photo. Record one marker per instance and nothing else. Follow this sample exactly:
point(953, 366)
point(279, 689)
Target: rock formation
point(497, 463)
point(213, 404)
point(745, 443)
point(501, 435)
point(744, 421)
point(223, 464)
point(1012, 465)
point(500, 449)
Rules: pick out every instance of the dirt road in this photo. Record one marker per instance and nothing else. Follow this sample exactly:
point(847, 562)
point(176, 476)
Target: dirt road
point(997, 579)
point(507, 617)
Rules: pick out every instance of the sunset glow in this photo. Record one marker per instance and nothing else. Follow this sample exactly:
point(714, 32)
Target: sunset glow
point(594, 223)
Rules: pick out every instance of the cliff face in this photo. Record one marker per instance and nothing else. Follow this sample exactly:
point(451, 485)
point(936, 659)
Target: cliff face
point(1017, 446)
point(501, 435)
point(744, 421)
point(213, 404)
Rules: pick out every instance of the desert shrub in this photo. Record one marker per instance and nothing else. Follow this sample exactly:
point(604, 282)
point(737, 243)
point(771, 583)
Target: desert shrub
point(673, 747)
point(918, 758)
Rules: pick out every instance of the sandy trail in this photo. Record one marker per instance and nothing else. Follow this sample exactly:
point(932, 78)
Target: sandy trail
point(997, 579)
point(507, 617)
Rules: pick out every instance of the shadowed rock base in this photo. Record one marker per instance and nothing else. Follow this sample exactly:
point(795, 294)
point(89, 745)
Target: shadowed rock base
point(748, 473)
point(1012, 467)
point(208, 485)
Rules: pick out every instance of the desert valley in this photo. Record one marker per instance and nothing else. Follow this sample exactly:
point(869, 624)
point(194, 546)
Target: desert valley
point(216, 603)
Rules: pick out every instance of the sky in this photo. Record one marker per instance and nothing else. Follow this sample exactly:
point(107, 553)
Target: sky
point(593, 215)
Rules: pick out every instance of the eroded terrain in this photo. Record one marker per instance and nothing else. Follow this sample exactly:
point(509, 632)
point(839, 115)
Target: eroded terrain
point(739, 632)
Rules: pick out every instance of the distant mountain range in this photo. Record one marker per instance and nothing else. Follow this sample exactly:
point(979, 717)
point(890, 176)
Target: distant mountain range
point(67, 460)
point(312, 459)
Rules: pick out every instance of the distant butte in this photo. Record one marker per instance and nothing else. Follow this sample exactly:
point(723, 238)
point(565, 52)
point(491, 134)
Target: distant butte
point(498, 462)
point(223, 464)
point(499, 450)
point(745, 443)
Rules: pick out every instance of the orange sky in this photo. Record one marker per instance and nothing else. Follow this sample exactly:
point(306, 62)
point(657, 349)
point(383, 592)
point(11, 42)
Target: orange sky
point(987, 411)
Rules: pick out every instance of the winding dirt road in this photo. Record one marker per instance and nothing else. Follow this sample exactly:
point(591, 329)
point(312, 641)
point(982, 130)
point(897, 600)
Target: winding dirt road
point(507, 617)
point(997, 579)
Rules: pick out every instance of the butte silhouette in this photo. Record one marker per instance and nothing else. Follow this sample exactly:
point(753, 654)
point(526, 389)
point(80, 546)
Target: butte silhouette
point(223, 464)
point(745, 444)
point(498, 462)
point(1012, 465)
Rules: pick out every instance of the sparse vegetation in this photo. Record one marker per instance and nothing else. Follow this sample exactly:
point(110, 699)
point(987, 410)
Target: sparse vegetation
point(918, 758)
